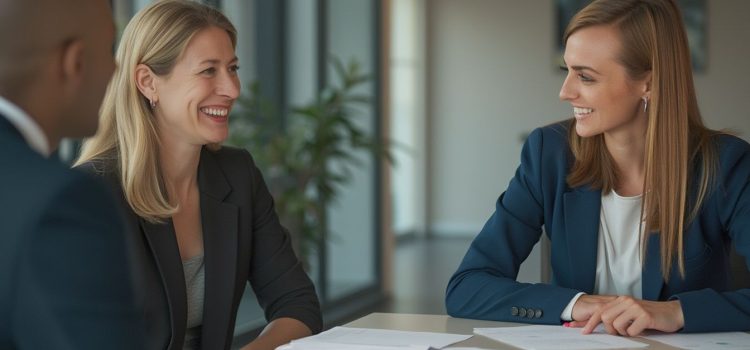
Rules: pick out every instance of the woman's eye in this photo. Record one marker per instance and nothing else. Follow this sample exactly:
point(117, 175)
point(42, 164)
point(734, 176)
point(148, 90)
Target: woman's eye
point(585, 78)
point(209, 71)
point(234, 68)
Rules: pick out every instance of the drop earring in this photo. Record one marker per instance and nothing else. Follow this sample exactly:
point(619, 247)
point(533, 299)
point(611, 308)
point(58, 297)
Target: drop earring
point(152, 103)
point(645, 104)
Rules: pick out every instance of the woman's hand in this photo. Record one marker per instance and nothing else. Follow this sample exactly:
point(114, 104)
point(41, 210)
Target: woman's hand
point(628, 316)
point(586, 305)
point(279, 332)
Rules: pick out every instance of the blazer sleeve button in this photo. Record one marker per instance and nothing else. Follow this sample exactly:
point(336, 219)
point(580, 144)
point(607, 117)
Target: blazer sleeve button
point(522, 312)
point(530, 313)
point(538, 313)
point(514, 311)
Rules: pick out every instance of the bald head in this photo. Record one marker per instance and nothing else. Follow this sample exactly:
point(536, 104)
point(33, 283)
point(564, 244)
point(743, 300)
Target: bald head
point(59, 52)
point(30, 30)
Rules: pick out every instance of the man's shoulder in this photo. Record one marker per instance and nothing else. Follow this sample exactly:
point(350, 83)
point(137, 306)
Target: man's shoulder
point(31, 184)
point(41, 193)
point(25, 171)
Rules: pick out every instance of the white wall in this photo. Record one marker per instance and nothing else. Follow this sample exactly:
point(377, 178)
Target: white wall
point(724, 89)
point(491, 78)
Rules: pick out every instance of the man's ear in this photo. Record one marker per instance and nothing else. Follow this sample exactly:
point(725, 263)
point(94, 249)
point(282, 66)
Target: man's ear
point(146, 82)
point(72, 63)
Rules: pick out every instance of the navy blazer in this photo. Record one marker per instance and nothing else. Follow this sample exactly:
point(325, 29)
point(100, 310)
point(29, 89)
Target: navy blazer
point(243, 242)
point(65, 282)
point(485, 287)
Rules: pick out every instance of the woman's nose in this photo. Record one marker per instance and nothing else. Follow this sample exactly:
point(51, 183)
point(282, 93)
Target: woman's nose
point(229, 86)
point(567, 92)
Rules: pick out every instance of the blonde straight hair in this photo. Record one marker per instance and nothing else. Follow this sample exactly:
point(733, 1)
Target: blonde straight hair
point(677, 143)
point(127, 136)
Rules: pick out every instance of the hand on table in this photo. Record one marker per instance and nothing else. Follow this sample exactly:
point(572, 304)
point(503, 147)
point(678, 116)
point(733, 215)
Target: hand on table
point(625, 315)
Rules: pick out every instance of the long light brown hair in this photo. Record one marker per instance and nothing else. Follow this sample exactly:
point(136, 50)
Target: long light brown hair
point(157, 37)
point(677, 143)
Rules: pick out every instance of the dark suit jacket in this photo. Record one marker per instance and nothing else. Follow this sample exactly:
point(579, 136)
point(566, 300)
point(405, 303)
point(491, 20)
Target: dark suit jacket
point(65, 282)
point(538, 196)
point(243, 241)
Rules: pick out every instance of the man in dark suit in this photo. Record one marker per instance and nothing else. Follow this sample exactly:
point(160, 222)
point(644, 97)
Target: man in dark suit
point(65, 280)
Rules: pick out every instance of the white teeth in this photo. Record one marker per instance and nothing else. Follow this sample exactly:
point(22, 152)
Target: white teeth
point(217, 112)
point(578, 110)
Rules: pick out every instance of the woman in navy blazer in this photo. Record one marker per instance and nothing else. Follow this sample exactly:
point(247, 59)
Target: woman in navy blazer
point(637, 134)
point(203, 219)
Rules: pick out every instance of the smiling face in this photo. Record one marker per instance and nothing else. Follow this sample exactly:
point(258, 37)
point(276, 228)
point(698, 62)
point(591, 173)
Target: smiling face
point(195, 99)
point(604, 97)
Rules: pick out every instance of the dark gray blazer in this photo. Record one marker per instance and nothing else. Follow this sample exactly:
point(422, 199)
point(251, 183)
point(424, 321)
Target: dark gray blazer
point(65, 279)
point(243, 241)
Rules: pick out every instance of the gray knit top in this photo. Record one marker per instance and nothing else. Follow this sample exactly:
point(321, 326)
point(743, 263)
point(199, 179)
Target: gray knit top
point(195, 288)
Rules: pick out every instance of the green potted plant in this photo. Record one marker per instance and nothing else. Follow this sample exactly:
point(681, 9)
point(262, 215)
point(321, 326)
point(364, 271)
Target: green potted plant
point(296, 158)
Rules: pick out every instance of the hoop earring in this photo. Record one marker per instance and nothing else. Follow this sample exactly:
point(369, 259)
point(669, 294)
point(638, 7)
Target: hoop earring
point(645, 104)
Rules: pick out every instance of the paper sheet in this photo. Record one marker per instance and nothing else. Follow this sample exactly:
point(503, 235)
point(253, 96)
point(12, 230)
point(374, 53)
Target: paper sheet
point(382, 337)
point(556, 338)
point(707, 341)
point(334, 346)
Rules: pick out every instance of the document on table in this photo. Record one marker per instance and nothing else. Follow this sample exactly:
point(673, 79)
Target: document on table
point(333, 346)
point(707, 341)
point(381, 337)
point(555, 338)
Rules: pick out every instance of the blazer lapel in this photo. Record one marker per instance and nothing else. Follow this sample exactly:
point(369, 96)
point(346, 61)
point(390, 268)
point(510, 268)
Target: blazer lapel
point(582, 216)
point(163, 243)
point(220, 225)
point(651, 277)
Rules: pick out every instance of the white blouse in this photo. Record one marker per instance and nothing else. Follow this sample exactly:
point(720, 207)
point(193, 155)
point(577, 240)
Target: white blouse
point(618, 255)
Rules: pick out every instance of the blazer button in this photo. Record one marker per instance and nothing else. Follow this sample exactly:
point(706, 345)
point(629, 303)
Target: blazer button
point(514, 311)
point(522, 312)
point(538, 313)
point(530, 313)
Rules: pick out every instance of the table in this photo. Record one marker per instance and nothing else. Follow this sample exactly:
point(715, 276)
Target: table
point(447, 324)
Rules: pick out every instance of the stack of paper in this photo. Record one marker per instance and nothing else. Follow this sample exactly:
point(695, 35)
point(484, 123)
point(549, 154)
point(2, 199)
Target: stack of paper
point(334, 346)
point(556, 338)
point(374, 339)
point(704, 341)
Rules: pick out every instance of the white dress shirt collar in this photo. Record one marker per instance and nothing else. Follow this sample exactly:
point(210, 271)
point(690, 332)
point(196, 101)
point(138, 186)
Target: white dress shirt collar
point(28, 127)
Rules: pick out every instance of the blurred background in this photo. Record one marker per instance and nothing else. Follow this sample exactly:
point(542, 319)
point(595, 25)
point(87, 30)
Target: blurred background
point(454, 86)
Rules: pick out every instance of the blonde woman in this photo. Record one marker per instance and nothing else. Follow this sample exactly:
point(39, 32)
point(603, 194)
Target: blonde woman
point(639, 199)
point(202, 218)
